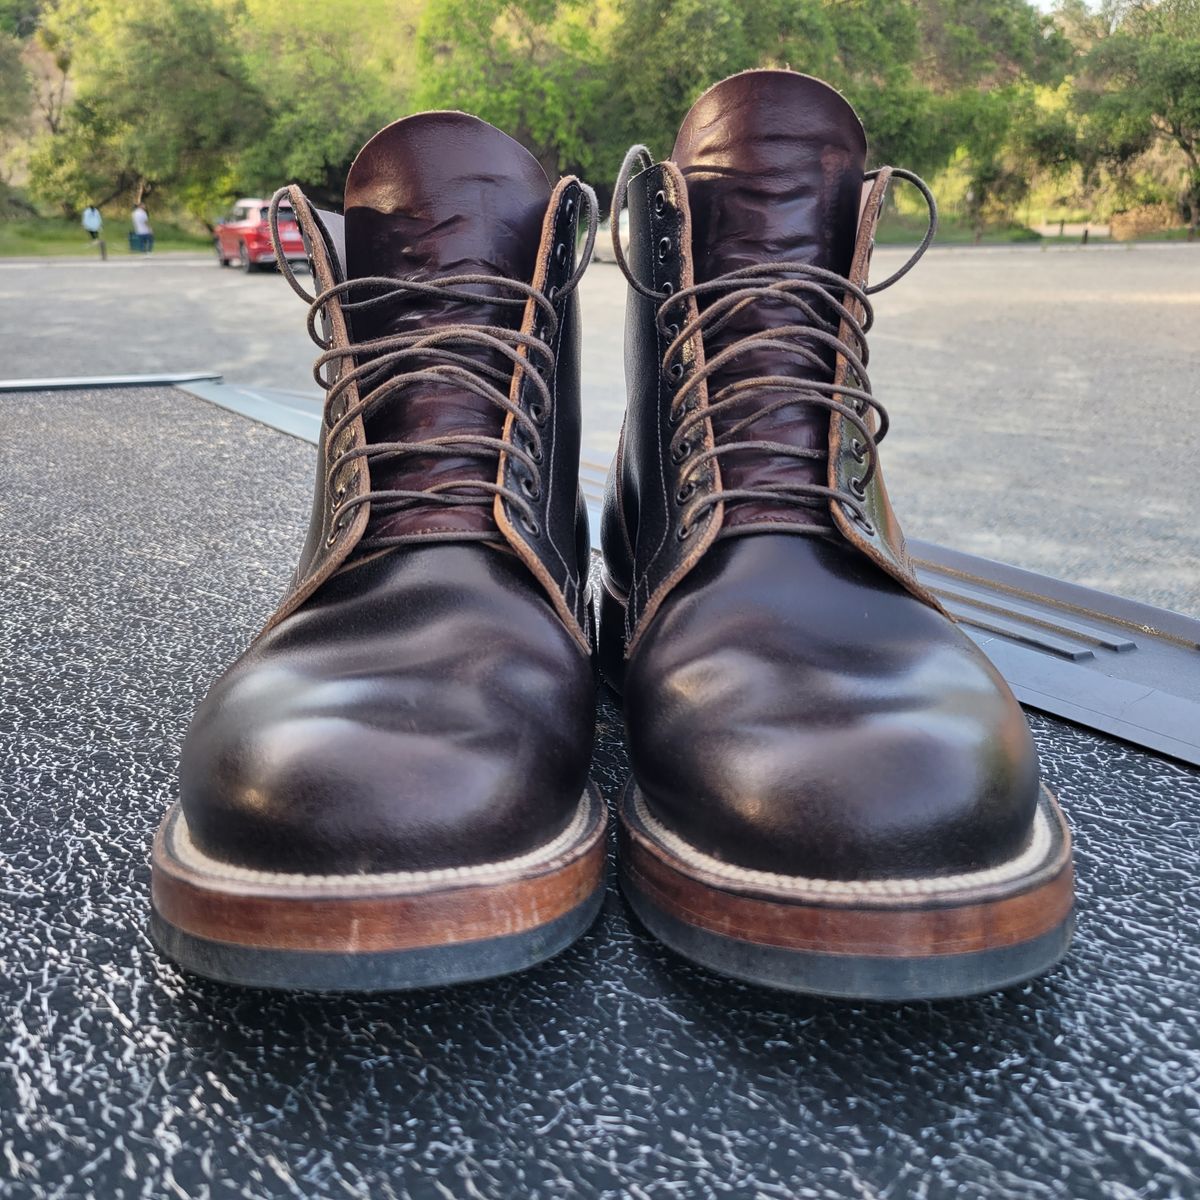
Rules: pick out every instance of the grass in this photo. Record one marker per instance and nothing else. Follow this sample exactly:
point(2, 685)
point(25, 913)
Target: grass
point(1166, 235)
point(900, 229)
point(37, 236)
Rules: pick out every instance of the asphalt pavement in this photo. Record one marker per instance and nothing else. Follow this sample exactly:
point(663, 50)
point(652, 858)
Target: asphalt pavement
point(1045, 402)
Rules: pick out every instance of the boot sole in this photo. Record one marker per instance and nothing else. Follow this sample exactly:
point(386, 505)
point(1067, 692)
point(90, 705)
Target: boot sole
point(909, 939)
point(386, 932)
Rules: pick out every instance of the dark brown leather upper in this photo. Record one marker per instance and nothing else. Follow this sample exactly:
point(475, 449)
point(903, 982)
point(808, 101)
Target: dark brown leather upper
point(405, 218)
point(428, 705)
point(485, 194)
point(795, 701)
point(793, 709)
point(426, 709)
point(762, 190)
point(645, 479)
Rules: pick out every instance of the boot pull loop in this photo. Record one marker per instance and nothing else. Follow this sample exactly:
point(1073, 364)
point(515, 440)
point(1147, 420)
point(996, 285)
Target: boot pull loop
point(930, 232)
point(641, 157)
point(285, 267)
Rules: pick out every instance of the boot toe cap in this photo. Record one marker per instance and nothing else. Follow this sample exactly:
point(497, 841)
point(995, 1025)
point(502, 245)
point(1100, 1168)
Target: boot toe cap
point(334, 747)
point(878, 745)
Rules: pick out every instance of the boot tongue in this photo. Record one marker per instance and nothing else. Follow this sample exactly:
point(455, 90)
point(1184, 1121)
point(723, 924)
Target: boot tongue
point(774, 167)
point(431, 196)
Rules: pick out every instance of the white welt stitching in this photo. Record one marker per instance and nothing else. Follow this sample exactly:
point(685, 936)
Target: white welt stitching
point(186, 851)
point(1031, 857)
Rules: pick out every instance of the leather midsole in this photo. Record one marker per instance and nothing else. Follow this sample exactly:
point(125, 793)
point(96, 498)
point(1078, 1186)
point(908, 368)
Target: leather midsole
point(397, 911)
point(917, 920)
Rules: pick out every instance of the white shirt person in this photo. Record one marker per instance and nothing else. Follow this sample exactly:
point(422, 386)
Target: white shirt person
point(141, 228)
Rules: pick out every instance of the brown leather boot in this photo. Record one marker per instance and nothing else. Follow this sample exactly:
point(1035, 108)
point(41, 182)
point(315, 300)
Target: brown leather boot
point(834, 791)
point(389, 788)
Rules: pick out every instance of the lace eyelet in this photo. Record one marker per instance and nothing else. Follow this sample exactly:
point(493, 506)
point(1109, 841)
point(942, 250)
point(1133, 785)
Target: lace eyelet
point(538, 413)
point(668, 287)
point(552, 292)
point(680, 452)
point(864, 524)
point(531, 527)
point(660, 201)
point(664, 248)
point(333, 533)
point(560, 253)
point(673, 331)
point(569, 208)
point(858, 487)
point(684, 532)
point(675, 372)
point(531, 489)
point(858, 450)
point(685, 493)
point(535, 454)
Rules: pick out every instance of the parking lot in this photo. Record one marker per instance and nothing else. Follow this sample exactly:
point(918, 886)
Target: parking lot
point(1045, 402)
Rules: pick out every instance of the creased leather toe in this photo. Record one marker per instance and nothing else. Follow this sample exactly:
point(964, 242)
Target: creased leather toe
point(426, 711)
point(841, 732)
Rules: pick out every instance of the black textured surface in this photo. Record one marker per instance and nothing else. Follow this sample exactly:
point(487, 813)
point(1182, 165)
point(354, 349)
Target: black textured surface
point(145, 535)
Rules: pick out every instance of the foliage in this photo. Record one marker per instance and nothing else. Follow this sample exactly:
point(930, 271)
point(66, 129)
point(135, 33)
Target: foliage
point(535, 68)
point(328, 76)
point(1140, 86)
point(15, 91)
point(193, 101)
point(19, 18)
point(162, 93)
point(666, 52)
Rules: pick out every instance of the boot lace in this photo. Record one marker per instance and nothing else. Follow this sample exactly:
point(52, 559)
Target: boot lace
point(826, 301)
point(442, 355)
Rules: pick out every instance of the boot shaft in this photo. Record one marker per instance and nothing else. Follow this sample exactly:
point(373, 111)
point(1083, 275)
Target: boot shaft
point(749, 406)
point(450, 327)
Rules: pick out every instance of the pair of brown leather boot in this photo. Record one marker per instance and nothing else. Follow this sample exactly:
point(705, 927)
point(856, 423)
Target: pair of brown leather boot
point(833, 790)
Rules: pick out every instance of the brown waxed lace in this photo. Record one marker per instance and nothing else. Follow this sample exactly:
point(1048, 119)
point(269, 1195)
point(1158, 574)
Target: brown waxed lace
point(823, 297)
point(438, 355)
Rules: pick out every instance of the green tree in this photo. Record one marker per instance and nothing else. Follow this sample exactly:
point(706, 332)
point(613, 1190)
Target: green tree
point(666, 52)
point(928, 78)
point(19, 18)
point(1140, 86)
point(328, 76)
point(162, 97)
point(989, 62)
point(15, 92)
point(535, 68)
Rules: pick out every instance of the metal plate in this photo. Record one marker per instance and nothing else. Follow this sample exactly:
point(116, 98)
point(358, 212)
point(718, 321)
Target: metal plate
point(1111, 664)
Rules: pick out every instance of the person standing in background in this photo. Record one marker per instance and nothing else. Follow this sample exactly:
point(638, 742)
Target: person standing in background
point(141, 228)
point(93, 222)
